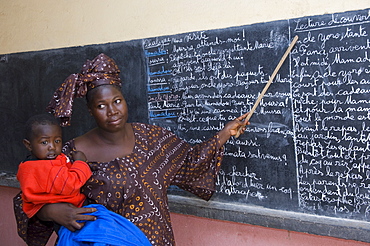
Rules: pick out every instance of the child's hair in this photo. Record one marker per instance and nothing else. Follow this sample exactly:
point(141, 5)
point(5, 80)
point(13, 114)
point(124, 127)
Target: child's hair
point(39, 119)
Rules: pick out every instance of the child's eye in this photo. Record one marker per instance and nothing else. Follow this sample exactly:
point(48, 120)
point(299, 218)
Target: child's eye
point(101, 106)
point(44, 142)
point(58, 141)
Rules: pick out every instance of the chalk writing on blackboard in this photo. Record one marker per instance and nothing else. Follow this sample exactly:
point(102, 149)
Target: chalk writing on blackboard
point(217, 77)
point(331, 114)
point(308, 145)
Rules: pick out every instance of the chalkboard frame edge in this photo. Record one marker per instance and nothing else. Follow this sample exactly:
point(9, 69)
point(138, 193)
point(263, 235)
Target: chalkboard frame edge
point(260, 216)
point(8, 180)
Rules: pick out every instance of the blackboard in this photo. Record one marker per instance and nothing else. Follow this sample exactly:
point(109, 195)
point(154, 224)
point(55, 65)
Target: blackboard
point(307, 150)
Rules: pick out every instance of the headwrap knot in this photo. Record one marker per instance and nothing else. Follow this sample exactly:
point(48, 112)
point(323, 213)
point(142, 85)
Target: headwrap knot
point(102, 70)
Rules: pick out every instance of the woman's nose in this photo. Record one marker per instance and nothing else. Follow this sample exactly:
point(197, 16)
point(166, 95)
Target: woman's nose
point(112, 110)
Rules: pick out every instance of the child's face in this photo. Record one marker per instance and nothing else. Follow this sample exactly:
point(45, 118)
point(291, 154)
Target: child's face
point(46, 142)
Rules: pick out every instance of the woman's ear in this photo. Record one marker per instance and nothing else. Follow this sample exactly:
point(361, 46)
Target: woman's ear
point(27, 143)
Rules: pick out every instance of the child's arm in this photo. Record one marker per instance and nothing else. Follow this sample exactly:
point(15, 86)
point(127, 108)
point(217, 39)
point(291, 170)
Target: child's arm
point(64, 180)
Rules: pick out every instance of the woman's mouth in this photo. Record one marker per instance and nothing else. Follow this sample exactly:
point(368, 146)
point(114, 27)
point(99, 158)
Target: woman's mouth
point(114, 121)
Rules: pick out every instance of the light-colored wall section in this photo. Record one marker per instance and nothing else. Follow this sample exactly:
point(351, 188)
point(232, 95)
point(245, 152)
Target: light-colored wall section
point(45, 24)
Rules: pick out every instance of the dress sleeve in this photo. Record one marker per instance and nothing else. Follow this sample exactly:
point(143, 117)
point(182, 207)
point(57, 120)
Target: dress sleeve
point(199, 171)
point(68, 148)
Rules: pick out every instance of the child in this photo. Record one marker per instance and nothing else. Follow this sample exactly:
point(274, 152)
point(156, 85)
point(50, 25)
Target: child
point(48, 176)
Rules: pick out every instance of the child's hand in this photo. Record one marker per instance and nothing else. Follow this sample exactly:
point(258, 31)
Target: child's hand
point(79, 156)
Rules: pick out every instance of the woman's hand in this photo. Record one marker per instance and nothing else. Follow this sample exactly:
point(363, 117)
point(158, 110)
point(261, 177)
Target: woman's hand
point(65, 214)
point(232, 128)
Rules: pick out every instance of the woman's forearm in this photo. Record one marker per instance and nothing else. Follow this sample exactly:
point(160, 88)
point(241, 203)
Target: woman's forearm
point(43, 213)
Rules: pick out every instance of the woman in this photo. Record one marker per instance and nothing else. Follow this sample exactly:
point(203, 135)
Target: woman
point(133, 164)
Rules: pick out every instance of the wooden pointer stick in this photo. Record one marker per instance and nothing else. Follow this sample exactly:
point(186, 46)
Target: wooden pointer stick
point(268, 83)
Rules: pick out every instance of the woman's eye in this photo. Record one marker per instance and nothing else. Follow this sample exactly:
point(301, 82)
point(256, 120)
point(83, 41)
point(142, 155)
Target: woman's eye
point(118, 101)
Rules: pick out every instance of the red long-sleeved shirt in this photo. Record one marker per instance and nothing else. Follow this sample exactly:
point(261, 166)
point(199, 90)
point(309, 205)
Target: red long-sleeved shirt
point(51, 181)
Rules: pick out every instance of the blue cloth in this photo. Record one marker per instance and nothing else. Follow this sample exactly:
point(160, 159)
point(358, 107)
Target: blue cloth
point(109, 229)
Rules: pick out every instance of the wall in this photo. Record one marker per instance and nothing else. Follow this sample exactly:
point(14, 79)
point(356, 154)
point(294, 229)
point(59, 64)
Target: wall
point(195, 231)
point(40, 24)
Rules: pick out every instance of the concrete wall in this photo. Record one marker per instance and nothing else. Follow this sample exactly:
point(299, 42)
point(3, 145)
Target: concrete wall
point(41, 24)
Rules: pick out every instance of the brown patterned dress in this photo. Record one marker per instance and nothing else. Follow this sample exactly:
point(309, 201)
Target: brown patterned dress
point(135, 185)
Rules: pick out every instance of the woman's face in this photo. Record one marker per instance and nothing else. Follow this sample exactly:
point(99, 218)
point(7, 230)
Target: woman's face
point(108, 107)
